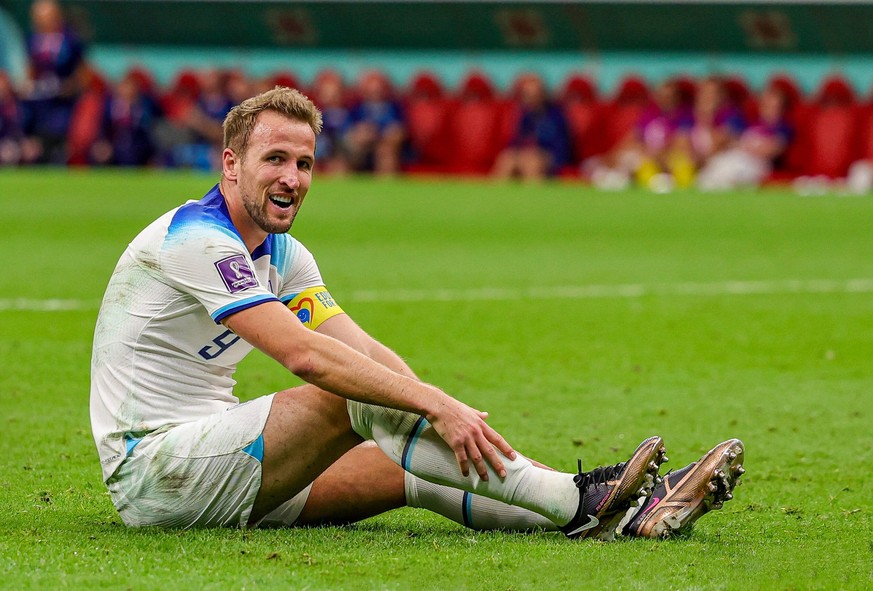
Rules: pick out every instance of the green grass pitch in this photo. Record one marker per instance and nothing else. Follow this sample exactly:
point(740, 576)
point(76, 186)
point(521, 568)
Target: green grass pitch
point(582, 321)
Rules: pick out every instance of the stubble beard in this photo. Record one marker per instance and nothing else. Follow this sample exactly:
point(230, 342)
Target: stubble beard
point(258, 212)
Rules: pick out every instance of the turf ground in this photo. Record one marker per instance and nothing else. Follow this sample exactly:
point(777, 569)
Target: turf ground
point(582, 321)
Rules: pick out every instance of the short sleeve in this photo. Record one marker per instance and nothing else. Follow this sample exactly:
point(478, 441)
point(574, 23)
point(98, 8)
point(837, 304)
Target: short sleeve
point(214, 267)
point(301, 273)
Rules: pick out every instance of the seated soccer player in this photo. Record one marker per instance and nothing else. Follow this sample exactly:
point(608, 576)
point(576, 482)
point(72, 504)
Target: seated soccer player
point(212, 279)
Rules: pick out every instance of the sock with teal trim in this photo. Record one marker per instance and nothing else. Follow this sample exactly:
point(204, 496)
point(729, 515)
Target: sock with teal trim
point(410, 441)
point(471, 510)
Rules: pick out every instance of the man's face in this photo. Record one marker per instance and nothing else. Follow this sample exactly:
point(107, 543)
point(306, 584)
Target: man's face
point(276, 170)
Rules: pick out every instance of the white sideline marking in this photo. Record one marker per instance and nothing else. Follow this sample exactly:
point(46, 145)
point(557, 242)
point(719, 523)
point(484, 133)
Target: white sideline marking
point(496, 294)
point(580, 292)
point(50, 305)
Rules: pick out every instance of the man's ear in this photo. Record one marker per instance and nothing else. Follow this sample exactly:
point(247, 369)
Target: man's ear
point(229, 164)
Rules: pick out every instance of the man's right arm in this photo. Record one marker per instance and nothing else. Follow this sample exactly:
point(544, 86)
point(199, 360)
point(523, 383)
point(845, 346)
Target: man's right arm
point(337, 368)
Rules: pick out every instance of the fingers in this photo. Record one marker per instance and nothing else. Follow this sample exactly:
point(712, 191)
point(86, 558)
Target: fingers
point(497, 440)
point(475, 443)
point(483, 451)
point(463, 463)
point(478, 459)
point(470, 451)
point(493, 459)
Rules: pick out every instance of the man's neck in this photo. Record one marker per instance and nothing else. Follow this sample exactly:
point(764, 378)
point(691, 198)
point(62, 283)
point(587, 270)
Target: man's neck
point(252, 235)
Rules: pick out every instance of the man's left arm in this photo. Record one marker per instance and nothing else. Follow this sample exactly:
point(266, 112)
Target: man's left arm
point(318, 311)
point(343, 328)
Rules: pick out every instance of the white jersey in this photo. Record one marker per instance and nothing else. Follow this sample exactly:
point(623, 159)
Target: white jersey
point(161, 356)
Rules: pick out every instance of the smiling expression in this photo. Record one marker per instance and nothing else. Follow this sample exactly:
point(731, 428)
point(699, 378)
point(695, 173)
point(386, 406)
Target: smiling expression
point(274, 173)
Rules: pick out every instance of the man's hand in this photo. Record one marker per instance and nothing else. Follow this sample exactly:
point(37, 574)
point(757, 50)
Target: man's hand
point(464, 429)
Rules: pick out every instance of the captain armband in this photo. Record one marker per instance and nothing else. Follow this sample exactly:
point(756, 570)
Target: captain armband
point(313, 306)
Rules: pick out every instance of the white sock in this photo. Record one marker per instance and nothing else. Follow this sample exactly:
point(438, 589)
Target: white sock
point(473, 511)
point(411, 442)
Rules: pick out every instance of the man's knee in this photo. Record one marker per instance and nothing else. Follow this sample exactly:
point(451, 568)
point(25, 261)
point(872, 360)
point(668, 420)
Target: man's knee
point(307, 419)
point(307, 400)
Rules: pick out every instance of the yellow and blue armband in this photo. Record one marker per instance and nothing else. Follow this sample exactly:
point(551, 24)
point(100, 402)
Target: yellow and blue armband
point(313, 306)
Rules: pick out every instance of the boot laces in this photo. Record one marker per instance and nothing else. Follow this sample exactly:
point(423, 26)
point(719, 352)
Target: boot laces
point(598, 476)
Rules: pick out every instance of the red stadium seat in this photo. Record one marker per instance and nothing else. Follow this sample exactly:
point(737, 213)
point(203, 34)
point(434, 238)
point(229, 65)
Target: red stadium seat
point(833, 129)
point(348, 93)
point(687, 88)
point(426, 85)
point(865, 134)
point(477, 86)
point(84, 129)
point(741, 97)
point(475, 127)
point(797, 115)
point(509, 117)
point(789, 87)
point(586, 123)
point(182, 96)
point(427, 113)
point(86, 119)
point(626, 108)
point(826, 131)
point(835, 90)
point(736, 89)
point(832, 138)
point(286, 79)
point(632, 89)
point(144, 80)
point(579, 88)
point(585, 117)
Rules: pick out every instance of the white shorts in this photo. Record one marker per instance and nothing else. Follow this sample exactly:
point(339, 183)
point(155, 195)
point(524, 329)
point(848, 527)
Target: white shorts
point(206, 473)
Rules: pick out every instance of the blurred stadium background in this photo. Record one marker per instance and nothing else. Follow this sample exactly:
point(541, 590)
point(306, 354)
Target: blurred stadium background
point(453, 73)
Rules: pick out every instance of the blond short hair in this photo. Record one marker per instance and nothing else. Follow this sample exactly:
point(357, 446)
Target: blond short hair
point(240, 122)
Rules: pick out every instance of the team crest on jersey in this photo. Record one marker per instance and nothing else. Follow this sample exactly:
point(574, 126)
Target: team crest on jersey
point(236, 273)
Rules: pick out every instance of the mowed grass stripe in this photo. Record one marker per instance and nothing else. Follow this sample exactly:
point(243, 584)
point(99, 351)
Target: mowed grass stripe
point(569, 292)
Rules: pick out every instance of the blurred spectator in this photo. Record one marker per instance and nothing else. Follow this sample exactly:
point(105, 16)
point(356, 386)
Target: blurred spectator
point(205, 120)
point(329, 95)
point(749, 160)
point(172, 130)
point(56, 77)
point(211, 108)
point(540, 145)
point(239, 87)
point(716, 124)
point(14, 147)
point(126, 132)
point(647, 153)
point(376, 137)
